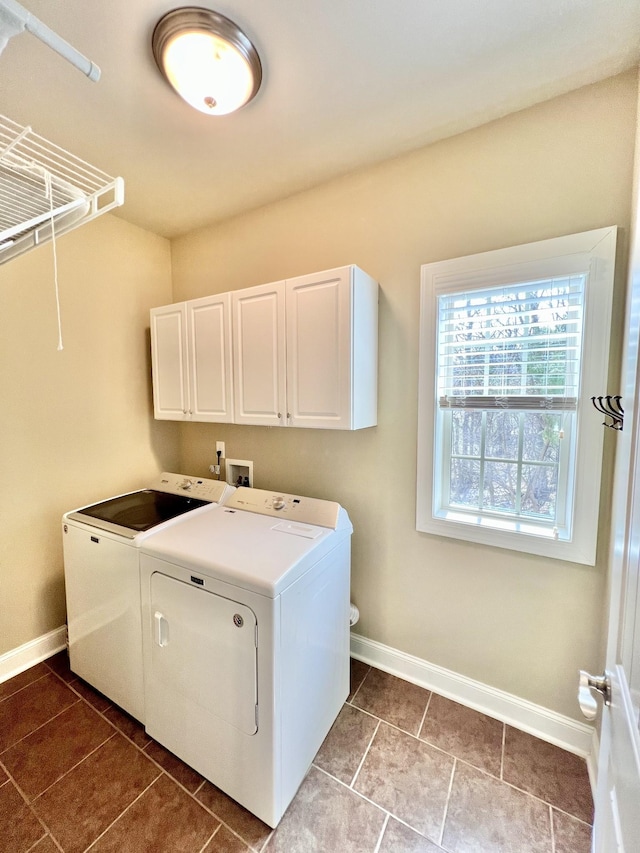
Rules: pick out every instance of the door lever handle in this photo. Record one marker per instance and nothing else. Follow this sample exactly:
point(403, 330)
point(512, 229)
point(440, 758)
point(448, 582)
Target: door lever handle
point(586, 699)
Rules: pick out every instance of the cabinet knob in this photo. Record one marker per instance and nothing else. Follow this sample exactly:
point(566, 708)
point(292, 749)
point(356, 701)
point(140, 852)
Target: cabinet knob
point(288, 416)
point(279, 416)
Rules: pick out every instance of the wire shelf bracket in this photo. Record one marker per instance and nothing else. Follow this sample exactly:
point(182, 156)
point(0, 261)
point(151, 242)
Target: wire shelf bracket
point(46, 191)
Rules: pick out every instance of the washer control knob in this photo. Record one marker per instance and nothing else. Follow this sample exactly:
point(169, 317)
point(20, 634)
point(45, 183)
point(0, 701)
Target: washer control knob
point(278, 502)
point(187, 485)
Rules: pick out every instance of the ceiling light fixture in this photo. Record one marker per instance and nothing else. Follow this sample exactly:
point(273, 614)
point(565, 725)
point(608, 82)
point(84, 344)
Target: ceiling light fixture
point(207, 59)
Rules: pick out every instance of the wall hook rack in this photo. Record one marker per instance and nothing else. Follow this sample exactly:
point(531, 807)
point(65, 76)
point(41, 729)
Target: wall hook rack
point(609, 405)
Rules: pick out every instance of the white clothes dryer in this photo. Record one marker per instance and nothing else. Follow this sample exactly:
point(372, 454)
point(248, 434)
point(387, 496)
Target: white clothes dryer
point(102, 578)
point(246, 641)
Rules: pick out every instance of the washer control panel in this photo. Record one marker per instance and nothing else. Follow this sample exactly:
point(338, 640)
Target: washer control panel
point(281, 505)
point(192, 487)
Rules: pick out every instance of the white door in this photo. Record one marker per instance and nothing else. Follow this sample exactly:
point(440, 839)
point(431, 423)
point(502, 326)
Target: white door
point(319, 337)
point(169, 362)
point(259, 355)
point(617, 807)
point(209, 341)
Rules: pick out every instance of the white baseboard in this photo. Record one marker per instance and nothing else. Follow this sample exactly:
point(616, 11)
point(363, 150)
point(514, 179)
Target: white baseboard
point(17, 660)
point(548, 725)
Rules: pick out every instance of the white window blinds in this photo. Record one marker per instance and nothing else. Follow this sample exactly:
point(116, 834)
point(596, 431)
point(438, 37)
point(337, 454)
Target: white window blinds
point(511, 347)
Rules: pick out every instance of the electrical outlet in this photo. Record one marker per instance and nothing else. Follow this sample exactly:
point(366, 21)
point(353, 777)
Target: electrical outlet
point(220, 449)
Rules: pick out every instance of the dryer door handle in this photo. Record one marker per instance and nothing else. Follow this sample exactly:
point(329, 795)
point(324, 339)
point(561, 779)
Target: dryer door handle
point(161, 629)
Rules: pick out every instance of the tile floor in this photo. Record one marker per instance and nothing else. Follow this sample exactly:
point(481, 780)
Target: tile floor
point(403, 770)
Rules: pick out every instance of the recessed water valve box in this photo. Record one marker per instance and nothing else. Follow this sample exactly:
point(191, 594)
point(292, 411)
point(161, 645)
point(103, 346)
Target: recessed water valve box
point(239, 472)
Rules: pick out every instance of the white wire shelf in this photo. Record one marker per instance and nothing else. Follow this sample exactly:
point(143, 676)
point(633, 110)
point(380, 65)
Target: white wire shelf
point(41, 183)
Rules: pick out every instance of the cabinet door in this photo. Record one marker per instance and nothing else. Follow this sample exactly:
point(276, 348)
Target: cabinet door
point(319, 339)
point(259, 355)
point(169, 362)
point(209, 345)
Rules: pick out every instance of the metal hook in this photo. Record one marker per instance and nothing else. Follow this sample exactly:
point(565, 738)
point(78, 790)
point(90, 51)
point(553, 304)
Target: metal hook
point(610, 408)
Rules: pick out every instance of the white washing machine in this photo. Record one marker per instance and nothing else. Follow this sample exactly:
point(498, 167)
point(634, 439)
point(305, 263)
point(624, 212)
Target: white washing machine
point(246, 641)
point(102, 578)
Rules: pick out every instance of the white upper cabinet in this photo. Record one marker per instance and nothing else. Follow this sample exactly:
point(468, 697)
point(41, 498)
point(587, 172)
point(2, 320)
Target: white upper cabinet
point(332, 349)
point(259, 369)
point(210, 371)
point(304, 354)
point(306, 351)
point(169, 362)
point(191, 360)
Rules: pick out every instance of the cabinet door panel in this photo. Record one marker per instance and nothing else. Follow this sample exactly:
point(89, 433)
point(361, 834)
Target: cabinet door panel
point(319, 350)
point(169, 362)
point(259, 355)
point(210, 358)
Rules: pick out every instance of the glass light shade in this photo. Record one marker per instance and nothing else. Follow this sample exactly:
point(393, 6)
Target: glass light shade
point(208, 72)
point(209, 62)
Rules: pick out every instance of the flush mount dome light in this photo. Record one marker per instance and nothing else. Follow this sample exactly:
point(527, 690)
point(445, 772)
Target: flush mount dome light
point(207, 59)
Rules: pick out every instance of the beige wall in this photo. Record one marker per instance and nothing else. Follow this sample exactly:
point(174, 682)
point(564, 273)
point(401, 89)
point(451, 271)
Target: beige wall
point(517, 622)
point(75, 425)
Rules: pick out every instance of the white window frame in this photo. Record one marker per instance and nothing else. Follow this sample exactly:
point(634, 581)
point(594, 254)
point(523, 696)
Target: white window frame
point(591, 252)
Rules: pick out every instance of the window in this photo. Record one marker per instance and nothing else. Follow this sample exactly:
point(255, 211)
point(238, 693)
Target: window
point(512, 343)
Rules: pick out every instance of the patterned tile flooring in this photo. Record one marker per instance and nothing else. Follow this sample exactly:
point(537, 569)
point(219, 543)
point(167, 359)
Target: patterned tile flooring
point(403, 770)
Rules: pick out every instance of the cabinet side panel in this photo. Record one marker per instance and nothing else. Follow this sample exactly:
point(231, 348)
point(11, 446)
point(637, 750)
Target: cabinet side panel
point(365, 350)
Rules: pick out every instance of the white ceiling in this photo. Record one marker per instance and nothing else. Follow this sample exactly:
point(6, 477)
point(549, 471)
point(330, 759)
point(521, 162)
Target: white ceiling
point(346, 83)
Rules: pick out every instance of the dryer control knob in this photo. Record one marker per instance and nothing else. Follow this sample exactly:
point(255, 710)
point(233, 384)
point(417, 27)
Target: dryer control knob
point(277, 503)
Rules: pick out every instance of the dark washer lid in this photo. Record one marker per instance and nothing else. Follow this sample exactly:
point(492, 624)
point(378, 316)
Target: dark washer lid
point(138, 511)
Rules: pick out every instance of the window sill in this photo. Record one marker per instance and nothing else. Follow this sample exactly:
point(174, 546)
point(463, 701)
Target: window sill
point(508, 525)
point(521, 536)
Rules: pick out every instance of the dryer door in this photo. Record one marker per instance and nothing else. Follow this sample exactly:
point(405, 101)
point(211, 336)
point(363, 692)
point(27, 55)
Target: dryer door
point(203, 651)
